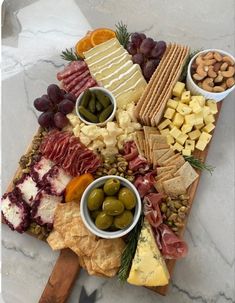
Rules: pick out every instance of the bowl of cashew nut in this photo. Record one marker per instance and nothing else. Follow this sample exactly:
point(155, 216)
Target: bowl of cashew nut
point(211, 73)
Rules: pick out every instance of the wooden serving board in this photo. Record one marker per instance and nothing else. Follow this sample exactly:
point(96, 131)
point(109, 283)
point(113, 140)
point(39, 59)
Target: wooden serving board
point(67, 266)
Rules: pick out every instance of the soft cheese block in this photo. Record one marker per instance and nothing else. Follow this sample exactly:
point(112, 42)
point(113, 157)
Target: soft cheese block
point(148, 266)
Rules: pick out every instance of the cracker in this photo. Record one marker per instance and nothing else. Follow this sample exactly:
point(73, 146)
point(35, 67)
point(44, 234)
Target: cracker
point(164, 176)
point(166, 156)
point(82, 246)
point(174, 187)
point(107, 273)
point(188, 174)
point(55, 240)
point(147, 132)
point(156, 154)
point(160, 146)
point(171, 160)
point(158, 186)
point(139, 140)
point(65, 212)
point(170, 168)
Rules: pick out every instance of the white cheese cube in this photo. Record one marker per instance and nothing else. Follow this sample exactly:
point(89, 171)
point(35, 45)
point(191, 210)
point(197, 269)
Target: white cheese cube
point(183, 109)
point(190, 119)
point(172, 103)
point(169, 113)
point(208, 128)
point(164, 124)
point(178, 89)
point(213, 106)
point(194, 134)
point(186, 128)
point(178, 120)
point(185, 98)
point(175, 132)
point(190, 144)
point(186, 152)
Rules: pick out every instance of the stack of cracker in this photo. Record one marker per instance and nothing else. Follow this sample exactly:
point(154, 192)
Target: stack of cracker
point(174, 174)
point(151, 105)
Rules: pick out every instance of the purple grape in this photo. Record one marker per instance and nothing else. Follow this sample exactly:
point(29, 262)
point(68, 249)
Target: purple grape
point(60, 120)
point(158, 50)
point(63, 92)
point(42, 104)
point(66, 106)
point(131, 48)
point(46, 119)
point(146, 46)
point(138, 59)
point(71, 97)
point(136, 39)
point(143, 36)
point(149, 68)
point(54, 93)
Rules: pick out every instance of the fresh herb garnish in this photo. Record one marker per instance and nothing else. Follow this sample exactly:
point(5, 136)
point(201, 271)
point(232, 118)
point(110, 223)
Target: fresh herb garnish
point(70, 55)
point(122, 33)
point(129, 251)
point(198, 164)
point(185, 67)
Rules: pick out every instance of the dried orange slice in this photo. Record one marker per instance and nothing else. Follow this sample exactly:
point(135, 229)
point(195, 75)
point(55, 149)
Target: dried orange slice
point(101, 35)
point(83, 45)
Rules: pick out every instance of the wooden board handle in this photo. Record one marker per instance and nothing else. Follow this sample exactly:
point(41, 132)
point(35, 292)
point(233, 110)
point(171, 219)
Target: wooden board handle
point(62, 278)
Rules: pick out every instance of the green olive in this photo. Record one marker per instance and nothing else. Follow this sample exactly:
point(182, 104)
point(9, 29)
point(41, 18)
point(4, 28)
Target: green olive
point(112, 206)
point(111, 187)
point(123, 220)
point(95, 199)
point(94, 214)
point(103, 220)
point(127, 197)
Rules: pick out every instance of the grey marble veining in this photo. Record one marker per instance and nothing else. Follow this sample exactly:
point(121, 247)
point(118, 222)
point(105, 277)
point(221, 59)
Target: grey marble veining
point(34, 33)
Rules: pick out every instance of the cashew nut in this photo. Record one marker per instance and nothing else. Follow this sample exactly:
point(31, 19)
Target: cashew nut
point(218, 89)
point(228, 73)
point(199, 60)
point(228, 59)
point(209, 61)
point(219, 78)
point(200, 84)
point(230, 82)
point(200, 71)
point(224, 85)
point(217, 66)
point(208, 56)
point(211, 73)
point(208, 84)
point(224, 66)
point(218, 56)
point(198, 77)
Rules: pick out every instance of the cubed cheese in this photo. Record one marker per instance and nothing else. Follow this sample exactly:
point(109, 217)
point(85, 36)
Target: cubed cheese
point(198, 118)
point(185, 98)
point(209, 119)
point(165, 131)
point(186, 128)
point(190, 144)
point(208, 128)
point(201, 145)
point(189, 119)
point(195, 106)
point(178, 120)
point(181, 138)
point(213, 106)
point(177, 147)
point(200, 99)
point(205, 137)
point(164, 124)
point(169, 113)
point(176, 98)
point(175, 132)
point(170, 139)
point(171, 125)
point(206, 111)
point(183, 109)
point(172, 103)
point(199, 126)
point(186, 152)
point(178, 89)
point(194, 134)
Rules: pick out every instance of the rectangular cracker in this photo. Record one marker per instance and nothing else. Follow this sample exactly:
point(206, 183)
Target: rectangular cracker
point(188, 173)
point(148, 130)
point(166, 156)
point(171, 168)
point(164, 176)
point(139, 143)
point(159, 186)
point(174, 187)
point(157, 154)
point(178, 161)
point(160, 146)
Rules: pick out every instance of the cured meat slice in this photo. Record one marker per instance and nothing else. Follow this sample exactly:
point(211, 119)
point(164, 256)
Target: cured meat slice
point(57, 179)
point(15, 212)
point(138, 163)
point(72, 77)
point(130, 150)
point(28, 189)
point(72, 84)
point(90, 83)
point(41, 168)
point(73, 67)
point(145, 184)
point(152, 210)
point(80, 85)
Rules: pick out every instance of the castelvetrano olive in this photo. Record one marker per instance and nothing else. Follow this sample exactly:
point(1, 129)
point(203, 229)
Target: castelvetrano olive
point(123, 220)
point(127, 197)
point(103, 220)
point(95, 199)
point(111, 187)
point(113, 207)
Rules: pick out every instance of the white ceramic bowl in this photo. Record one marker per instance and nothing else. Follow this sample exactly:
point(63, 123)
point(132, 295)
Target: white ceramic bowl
point(107, 93)
point(196, 90)
point(89, 222)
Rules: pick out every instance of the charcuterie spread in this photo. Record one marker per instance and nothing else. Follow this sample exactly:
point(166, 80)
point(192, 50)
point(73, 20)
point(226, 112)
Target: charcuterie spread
point(109, 172)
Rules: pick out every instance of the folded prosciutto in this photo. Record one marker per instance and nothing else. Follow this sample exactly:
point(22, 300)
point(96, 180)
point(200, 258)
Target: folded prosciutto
point(136, 162)
point(152, 210)
point(145, 183)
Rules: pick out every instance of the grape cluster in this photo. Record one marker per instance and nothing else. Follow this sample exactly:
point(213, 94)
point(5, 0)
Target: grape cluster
point(146, 52)
point(55, 105)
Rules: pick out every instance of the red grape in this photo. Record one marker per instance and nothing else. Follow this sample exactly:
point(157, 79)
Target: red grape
point(71, 97)
point(42, 104)
point(136, 39)
point(63, 92)
point(60, 120)
point(66, 106)
point(143, 36)
point(146, 46)
point(149, 68)
point(138, 58)
point(131, 48)
point(46, 119)
point(54, 93)
point(158, 50)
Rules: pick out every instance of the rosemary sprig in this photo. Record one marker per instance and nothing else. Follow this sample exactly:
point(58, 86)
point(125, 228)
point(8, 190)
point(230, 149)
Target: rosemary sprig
point(198, 164)
point(122, 33)
point(185, 67)
point(70, 55)
point(129, 251)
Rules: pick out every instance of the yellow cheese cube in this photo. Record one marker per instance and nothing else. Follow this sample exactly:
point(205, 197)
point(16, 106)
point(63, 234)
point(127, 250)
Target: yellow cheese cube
point(178, 120)
point(209, 119)
point(165, 131)
point(190, 119)
point(185, 98)
point(164, 124)
point(205, 137)
point(172, 103)
point(200, 99)
point(175, 132)
point(170, 139)
point(195, 106)
point(199, 126)
point(178, 89)
point(201, 145)
point(186, 152)
point(183, 109)
point(186, 128)
point(190, 144)
point(213, 106)
point(198, 118)
point(194, 134)
point(177, 147)
point(181, 139)
point(176, 99)
point(208, 128)
point(171, 125)
point(169, 113)
point(206, 111)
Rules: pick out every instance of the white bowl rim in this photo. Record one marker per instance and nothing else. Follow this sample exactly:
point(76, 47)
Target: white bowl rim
point(112, 99)
point(110, 234)
point(202, 91)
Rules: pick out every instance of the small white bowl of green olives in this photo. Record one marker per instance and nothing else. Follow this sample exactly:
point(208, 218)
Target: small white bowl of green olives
point(96, 105)
point(110, 207)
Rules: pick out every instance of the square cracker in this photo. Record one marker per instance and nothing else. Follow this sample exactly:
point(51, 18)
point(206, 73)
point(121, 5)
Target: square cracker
point(188, 174)
point(166, 156)
point(174, 187)
point(158, 186)
point(156, 154)
point(55, 240)
point(176, 160)
point(166, 168)
point(164, 176)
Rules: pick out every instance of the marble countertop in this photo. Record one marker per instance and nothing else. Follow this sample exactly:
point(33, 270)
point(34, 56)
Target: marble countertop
point(34, 33)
